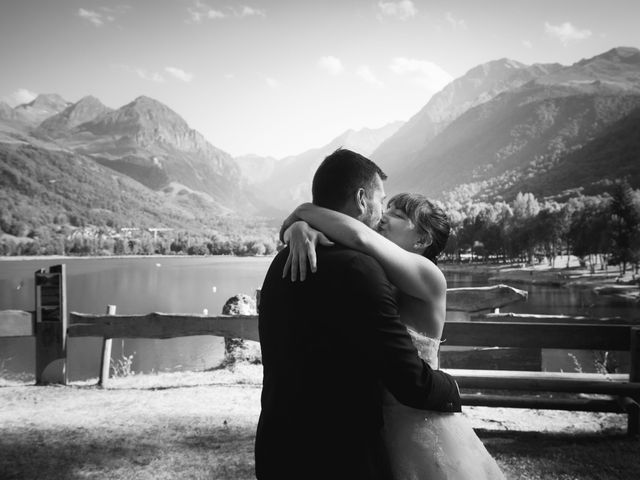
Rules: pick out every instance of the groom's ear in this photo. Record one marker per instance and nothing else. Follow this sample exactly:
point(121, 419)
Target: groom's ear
point(361, 201)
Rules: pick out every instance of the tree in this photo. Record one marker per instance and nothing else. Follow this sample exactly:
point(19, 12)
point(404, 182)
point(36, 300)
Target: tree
point(525, 206)
point(548, 230)
point(521, 226)
point(589, 230)
point(625, 219)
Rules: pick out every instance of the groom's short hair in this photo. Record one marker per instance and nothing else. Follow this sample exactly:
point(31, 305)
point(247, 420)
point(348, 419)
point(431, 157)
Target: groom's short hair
point(340, 175)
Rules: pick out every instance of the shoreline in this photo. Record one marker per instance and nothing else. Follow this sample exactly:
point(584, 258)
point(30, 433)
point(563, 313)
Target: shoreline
point(22, 258)
point(607, 282)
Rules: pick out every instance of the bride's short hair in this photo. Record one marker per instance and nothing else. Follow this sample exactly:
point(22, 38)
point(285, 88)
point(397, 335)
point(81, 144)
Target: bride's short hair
point(428, 217)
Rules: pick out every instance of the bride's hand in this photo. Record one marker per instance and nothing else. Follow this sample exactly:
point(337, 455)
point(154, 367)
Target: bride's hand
point(302, 240)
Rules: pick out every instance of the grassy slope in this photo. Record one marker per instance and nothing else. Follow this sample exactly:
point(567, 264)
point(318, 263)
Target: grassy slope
point(202, 425)
point(49, 183)
point(37, 184)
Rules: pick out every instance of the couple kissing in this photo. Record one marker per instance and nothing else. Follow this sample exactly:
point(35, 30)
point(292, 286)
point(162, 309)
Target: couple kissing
point(350, 319)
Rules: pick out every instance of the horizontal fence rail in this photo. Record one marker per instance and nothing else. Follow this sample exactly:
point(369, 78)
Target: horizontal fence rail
point(537, 335)
point(619, 405)
point(162, 325)
point(544, 318)
point(464, 333)
point(612, 384)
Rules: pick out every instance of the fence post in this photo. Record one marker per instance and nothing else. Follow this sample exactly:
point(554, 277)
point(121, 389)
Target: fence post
point(633, 417)
point(51, 325)
point(105, 363)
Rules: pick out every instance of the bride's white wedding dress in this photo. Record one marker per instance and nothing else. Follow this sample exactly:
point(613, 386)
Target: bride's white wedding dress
point(427, 445)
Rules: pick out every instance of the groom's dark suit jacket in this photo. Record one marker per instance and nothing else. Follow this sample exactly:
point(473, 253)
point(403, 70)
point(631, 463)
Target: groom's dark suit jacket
point(329, 345)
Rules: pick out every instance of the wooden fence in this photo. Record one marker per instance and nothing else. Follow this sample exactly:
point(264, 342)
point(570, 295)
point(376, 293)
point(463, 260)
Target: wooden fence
point(480, 330)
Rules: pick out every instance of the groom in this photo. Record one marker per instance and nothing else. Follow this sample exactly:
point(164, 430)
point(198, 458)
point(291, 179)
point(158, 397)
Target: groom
point(329, 345)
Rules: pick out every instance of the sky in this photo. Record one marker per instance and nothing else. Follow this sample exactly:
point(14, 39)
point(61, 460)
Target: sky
point(278, 77)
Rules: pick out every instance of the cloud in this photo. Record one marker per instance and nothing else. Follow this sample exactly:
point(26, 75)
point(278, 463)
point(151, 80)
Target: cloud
point(151, 76)
point(179, 74)
point(200, 11)
point(247, 11)
point(566, 32)
point(331, 64)
point(368, 76)
point(98, 19)
point(422, 72)
point(527, 43)
point(20, 96)
point(104, 15)
point(456, 23)
point(140, 72)
point(272, 82)
point(403, 10)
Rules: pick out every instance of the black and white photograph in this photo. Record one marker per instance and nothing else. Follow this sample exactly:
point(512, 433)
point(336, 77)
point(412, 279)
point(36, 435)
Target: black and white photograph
point(319, 240)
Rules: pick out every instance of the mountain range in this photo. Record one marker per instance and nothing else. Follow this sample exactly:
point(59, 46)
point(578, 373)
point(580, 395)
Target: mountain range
point(173, 176)
point(502, 128)
point(147, 142)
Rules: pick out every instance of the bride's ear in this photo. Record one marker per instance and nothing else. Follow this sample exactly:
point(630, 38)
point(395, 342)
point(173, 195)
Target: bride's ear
point(423, 242)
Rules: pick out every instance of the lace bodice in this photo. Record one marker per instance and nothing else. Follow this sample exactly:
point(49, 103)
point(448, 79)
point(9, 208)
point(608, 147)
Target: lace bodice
point(427, 347)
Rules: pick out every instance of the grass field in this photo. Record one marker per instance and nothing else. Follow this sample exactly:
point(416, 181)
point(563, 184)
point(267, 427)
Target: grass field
point(202, 425)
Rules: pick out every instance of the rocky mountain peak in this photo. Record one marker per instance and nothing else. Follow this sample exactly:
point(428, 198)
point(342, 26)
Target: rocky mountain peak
point(144, 118)
point(40, 108)
point(627, 55)
point(152, 110)
point(615, 71)
point(150, 131)
point(89, 100)
point(86, 109)
point(499, 67)
point(46, 101)
point(477, 86)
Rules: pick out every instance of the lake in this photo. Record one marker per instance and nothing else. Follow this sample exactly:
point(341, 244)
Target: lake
point(134, 285)
point(191, 285)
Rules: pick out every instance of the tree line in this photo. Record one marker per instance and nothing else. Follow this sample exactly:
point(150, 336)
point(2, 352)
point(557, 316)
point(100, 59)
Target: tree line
point(602, 229)
point(101, 241)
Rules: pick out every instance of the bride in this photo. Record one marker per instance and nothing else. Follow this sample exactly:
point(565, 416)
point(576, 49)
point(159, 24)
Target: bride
point(412, 233)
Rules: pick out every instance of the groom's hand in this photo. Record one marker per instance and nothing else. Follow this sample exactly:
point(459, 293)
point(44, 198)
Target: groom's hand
point(302, 240)
point(445, 395)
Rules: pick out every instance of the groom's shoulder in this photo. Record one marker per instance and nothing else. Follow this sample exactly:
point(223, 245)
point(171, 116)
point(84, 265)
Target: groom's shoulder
point(351, 261)
point(343, 252)
point(339, 258)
